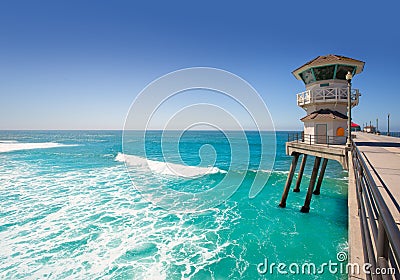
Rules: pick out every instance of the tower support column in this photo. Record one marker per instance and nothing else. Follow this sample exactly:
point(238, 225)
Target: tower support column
point(321, 177)
point(306, 206)
point(301, 171)
point(289, 180)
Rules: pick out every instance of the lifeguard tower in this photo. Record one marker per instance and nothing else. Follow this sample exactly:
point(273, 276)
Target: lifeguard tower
point(326, 101)
point(325, 98)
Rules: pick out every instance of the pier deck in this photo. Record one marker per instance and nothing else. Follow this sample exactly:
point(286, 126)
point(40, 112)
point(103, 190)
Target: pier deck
point(382, 157)
point(382, 154)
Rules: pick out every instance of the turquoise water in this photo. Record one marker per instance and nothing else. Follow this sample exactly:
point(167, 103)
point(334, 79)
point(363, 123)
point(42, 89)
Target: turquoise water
point(70, 210)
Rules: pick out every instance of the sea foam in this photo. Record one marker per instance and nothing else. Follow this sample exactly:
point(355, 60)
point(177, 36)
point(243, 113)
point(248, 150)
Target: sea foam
point(167, 168)
point(9, 146)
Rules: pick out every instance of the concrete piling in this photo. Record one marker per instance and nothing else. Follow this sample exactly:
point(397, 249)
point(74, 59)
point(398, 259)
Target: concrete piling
point(306, 206)
point(321, 177)
point(301, 171)
point(289, 180)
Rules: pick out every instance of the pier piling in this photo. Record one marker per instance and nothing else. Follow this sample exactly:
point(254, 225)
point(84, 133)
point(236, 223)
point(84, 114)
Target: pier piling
point(289, 180)
point(321, 177)
point(301, 171)
point(306, 206)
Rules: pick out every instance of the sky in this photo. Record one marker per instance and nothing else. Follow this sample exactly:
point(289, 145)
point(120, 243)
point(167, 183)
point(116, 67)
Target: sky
point(79, 64)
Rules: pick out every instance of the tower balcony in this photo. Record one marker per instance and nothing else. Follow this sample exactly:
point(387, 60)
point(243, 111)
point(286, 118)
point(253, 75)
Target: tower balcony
point(327, 95)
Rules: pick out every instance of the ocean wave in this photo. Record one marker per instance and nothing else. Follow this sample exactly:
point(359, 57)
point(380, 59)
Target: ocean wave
point(10, 146)
point(167, 168)
point(269, 171)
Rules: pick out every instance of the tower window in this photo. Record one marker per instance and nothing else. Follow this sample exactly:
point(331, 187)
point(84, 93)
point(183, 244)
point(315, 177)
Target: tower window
point(324, 72)
point(307, 76)
point(342, 71)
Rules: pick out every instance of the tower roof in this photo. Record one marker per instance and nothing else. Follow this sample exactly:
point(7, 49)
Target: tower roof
point(330, 59)
point(324, 115)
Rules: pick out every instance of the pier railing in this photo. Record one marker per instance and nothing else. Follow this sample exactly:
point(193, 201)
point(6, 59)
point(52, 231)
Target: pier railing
point(321, 95)
point(392, 134)
point(311, 139)
point(380, 233)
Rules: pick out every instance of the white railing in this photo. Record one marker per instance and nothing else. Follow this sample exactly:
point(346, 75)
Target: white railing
point(321, 95)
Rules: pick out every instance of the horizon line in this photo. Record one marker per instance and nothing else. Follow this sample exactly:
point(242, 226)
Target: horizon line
point(262, 130)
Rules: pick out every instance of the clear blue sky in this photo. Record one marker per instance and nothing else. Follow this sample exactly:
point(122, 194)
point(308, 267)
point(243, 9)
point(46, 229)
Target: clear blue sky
point(78, 64)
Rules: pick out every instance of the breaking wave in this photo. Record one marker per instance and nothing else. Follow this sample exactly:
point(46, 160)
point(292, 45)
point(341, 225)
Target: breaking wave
point(10, 146)
point(167, 168)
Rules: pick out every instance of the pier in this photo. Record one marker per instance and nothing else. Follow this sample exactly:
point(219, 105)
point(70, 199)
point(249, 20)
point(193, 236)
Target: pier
point(373, 200)
point(373, 162)
point(304, 145)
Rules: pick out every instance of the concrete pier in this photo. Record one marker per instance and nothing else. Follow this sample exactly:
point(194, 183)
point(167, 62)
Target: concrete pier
point(382, 156)
point(382, 153)
point(320, 151)
point(377, 173)
point(333, 152)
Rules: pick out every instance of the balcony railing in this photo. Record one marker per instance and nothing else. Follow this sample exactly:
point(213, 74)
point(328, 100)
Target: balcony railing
point(321, 95)
point(311, 139)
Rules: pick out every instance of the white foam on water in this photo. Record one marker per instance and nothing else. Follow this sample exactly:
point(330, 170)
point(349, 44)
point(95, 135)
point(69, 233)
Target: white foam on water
point(101, 228)
point(9, 146)
point(167, 168)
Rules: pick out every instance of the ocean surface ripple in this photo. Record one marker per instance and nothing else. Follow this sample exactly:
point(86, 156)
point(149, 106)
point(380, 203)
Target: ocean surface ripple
point(69, 210)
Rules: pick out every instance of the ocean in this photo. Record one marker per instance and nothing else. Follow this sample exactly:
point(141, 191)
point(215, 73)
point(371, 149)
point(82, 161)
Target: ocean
point(83, 205)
